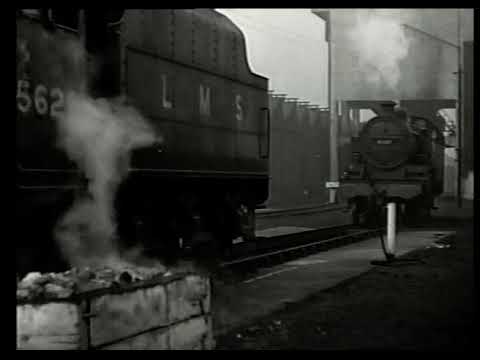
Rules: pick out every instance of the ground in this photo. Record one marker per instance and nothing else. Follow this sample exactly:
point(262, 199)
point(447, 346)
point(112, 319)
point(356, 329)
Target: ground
point(425, 305)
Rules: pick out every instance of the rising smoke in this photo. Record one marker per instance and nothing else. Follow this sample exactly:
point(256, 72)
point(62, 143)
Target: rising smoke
point(99, 136)
point(380, 44)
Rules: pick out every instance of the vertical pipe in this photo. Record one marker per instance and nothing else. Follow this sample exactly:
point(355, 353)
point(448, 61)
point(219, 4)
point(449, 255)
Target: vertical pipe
point(327, 17)
point(333, 114)
point(459, 114)
point(333, 171)
point(123, 56)
point(356, 121)
point(391, 231)
point(82, 36)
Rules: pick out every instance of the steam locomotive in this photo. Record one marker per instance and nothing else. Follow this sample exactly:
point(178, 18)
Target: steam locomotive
point(186, 71)
point(398, 157)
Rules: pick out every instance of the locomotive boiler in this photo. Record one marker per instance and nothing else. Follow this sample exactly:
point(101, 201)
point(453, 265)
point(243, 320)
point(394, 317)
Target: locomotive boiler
point(395, 156)
point(186, 71)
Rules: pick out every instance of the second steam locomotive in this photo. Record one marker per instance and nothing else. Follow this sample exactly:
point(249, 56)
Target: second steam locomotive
point(396, 156)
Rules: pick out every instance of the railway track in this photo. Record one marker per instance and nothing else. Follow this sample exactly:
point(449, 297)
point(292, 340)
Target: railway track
point(299, 245)
point(283, 248)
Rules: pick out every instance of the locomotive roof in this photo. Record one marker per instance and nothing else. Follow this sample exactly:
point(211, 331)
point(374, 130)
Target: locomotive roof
point(201, 38)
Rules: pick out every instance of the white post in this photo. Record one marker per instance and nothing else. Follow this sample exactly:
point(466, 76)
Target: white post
point(391, 222)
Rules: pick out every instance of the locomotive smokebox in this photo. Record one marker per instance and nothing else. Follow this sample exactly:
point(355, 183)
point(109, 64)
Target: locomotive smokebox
point(385, 141)
point(400, 111)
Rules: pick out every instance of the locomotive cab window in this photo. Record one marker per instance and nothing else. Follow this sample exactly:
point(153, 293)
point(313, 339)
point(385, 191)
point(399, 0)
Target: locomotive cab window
point(358, 118)
point(100, 28)
point(366, 115)
point(103, 45)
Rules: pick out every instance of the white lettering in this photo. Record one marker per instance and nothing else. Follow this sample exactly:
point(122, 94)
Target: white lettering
point(165, 102)
point(57, 106)
point(23, 98)
point(40, 100)
point(204, 100)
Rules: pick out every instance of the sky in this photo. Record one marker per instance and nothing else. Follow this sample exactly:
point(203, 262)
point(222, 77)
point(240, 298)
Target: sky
point(287, 46)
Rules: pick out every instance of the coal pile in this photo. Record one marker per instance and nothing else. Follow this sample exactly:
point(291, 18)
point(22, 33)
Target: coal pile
point(55, 286)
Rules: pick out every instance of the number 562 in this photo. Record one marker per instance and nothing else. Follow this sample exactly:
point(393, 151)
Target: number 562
point(40, 99)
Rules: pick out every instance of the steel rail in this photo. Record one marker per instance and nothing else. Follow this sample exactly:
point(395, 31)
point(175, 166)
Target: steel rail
point(314, 244)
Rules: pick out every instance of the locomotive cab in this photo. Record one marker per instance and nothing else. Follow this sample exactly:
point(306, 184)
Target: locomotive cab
point(102, 42)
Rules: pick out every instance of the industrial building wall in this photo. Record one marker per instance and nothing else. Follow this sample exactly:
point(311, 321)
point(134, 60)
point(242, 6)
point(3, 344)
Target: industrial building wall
point(299, 153)
point(371, 46)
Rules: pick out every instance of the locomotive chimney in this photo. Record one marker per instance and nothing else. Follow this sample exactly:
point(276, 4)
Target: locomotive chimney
point(388, 107)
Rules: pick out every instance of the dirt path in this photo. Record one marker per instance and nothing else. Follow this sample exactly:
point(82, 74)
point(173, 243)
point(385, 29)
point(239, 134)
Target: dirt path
point(428, 305)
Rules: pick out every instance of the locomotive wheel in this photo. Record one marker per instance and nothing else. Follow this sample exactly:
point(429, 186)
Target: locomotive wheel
point(377, 216)
point(147, 227)
point(37, 249)
point(222, 225)
point(365, 212)
point(417, 211)
point(368, 213)
point(246, 222)
point(358, 210)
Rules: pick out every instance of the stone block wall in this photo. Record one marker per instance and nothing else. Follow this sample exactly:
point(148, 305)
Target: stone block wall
point(173, 314)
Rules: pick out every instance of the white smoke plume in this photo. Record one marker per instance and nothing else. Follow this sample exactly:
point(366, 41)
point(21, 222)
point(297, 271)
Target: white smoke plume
point(99, 136)
point(380, 44)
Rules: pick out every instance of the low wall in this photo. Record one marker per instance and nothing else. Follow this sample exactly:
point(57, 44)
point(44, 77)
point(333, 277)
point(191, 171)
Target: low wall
point(173, 313)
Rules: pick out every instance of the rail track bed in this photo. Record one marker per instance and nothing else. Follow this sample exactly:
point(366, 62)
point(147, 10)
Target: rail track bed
point(282, 248)
point(248, 289)
point(246, 257)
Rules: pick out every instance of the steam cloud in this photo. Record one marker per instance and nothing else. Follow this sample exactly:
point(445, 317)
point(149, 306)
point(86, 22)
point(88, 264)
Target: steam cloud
point(99, 136)
point(380, 44)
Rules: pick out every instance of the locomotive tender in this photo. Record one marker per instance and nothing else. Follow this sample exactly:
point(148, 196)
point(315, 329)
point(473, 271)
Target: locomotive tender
point(395, 156)
point(186, 71)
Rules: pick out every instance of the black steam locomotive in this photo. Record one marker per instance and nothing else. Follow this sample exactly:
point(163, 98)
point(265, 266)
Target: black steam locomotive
point(187, 72)
point(396, 157)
